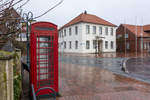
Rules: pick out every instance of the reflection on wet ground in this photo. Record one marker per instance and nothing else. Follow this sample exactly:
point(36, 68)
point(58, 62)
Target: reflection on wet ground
point(107, 55)
point(108, 63)
point(140, 67)
point(111, 64)
point(90, 78)
point(92, 83)
point(79, 82)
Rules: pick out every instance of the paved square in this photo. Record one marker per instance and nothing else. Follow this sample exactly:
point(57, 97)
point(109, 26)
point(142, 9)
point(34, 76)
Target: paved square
point(78, 82)
point(93, 83)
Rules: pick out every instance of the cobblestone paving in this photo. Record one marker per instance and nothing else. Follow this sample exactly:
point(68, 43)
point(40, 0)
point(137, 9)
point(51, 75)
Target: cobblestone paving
point(82, 82)
point(92, 83)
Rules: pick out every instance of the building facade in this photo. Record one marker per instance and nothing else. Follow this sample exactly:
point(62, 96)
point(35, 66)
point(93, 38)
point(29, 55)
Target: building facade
point(87, 34)
point(132, 38)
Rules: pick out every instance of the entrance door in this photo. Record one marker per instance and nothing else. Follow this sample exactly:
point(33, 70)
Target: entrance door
point(45, 61)
point(100, 46)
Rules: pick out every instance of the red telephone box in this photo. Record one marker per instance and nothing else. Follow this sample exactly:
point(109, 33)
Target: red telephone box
point(44, 57)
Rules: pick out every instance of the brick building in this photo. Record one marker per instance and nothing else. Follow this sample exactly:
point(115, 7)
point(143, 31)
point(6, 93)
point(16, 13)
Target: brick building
point(127, 35)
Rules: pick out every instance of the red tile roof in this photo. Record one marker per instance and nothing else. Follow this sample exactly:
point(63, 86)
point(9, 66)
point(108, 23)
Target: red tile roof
point(88, 18)
point(147, 27)
point(137, 30)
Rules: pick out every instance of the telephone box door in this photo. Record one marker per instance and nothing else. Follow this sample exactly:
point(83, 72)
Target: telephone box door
point(44, 57)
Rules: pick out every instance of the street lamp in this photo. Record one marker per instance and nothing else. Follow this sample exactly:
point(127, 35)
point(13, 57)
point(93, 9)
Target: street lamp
point(27, 19)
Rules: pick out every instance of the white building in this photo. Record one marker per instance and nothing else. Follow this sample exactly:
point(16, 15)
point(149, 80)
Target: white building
point(87, 34)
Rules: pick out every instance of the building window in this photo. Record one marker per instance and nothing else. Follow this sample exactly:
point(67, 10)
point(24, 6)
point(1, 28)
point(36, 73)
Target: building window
point(94, 44)
point(64, 44)
point(126, 35)
point(61, 44)
point(64, 32)
point(145, 45)
point(106, 30)
point(106, 44)
point(76, 44)
point(119, 36)
point(87, 44)
point(100, 30)
point(112, 31)
point(69, 31)
point(128, 46)
point(76, 30)
point(59, 34)
point(112, 44)
point(94, 29)
point(87, 29)
point(141, 45)
point(148, 46)
point(70, 45)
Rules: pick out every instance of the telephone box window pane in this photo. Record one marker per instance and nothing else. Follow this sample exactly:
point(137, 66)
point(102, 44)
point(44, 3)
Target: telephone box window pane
point(45, 60)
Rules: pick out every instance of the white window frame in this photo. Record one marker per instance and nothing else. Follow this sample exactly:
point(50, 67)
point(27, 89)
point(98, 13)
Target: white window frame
point(100, 30)
point(87, 29)
point(94, 29)
point(87, 44)
point(65, 45)
point(70, 45)
point(106, 30)
point(106, 44)
point(112, 31)
point(112, 44)
point(76, 30)
point(76, 44)
point(64, 32)
point(70, 31)
point(94, 44)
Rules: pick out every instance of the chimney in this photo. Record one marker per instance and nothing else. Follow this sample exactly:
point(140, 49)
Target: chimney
point(85, 12)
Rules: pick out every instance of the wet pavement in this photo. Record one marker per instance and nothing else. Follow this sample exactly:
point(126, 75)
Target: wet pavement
point(91, 78)
point(107, 55)
point(113, 64)
point(79, 82)
point(93, 83)
point(139, 67)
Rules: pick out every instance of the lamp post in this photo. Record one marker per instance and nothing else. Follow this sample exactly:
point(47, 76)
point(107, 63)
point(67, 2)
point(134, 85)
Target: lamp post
point(27, 19)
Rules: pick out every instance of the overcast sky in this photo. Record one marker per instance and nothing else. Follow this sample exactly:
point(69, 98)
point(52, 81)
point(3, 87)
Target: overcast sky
point(114, 11)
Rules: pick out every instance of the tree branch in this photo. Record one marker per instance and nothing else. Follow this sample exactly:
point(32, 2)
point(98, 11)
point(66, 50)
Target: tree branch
point(49, 10)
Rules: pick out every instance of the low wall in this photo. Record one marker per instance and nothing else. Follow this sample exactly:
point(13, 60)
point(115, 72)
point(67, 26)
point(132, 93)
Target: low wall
point(8, 63)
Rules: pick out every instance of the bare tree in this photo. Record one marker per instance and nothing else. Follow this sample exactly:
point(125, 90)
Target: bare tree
point(10, 18)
